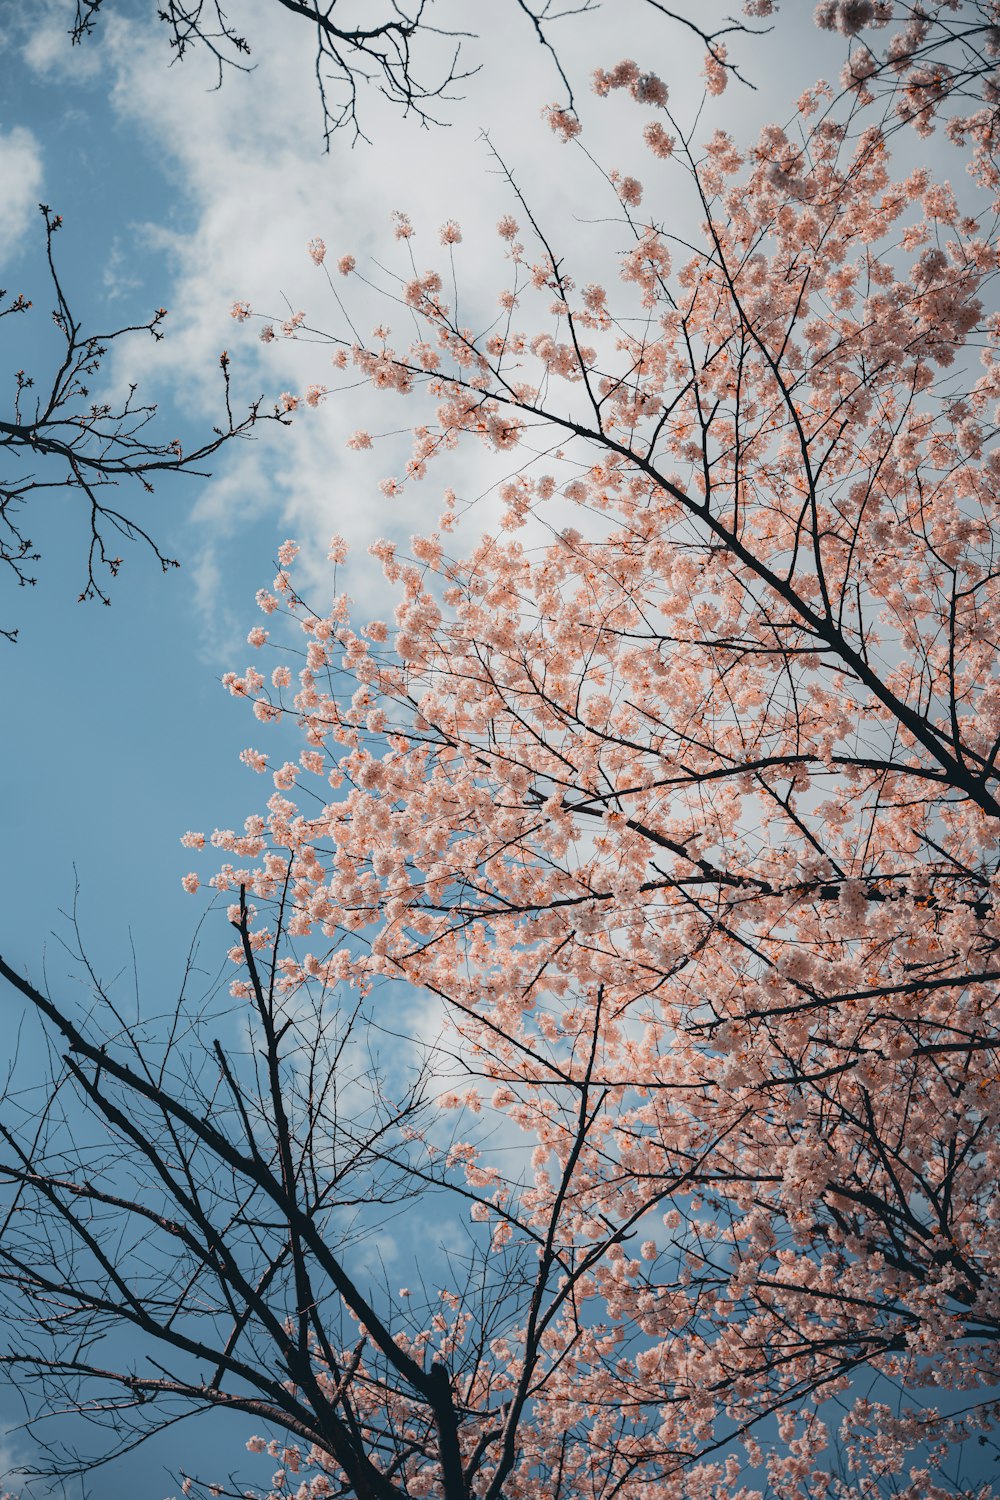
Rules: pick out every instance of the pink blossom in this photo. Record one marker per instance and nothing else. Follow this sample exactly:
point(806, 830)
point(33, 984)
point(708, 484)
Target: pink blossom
point(190, 883)
point(846, 16)
point(563, 121)
point(657, 139)
point(645, 88)
point(346, 264)
point(939, 202)
point(629, 191)
point(317, 250)
point(715, 72)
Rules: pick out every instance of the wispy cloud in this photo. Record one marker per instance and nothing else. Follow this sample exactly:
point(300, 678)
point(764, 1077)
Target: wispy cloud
point(12, 1457)
point(20, 188)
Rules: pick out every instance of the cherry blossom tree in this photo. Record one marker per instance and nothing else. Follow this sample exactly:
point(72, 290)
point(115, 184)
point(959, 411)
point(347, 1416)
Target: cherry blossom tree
point(677, 791)
point(57, 439)
point(694, 800)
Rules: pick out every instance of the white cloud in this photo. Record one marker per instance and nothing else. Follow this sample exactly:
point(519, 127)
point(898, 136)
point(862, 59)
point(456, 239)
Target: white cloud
point(12, 1456)
point(42, 34)
point(253, 186)
point(20, 188)
point(116, 276)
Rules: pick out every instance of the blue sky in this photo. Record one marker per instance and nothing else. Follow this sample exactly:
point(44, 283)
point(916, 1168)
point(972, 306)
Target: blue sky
point(117, 736)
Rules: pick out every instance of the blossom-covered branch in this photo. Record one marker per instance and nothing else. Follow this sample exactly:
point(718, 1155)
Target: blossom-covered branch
point(926, 59)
